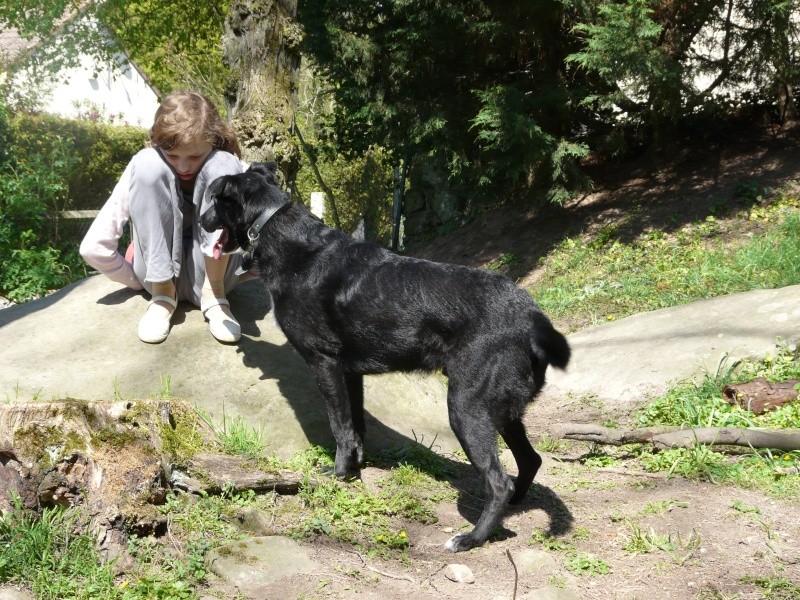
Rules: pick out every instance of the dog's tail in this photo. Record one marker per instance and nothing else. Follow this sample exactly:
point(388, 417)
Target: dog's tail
point(552, 343)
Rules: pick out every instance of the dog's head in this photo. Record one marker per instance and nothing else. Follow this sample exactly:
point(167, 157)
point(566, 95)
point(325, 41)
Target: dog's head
point(240, 202)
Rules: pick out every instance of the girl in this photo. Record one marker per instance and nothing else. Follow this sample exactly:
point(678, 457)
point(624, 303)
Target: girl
point(163, 192)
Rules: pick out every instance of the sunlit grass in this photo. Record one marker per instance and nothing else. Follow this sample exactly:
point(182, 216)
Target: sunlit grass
point(595, 280)
point(701, 404)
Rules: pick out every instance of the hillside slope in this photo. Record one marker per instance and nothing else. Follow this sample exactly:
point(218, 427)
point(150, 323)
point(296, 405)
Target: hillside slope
point(663, 191)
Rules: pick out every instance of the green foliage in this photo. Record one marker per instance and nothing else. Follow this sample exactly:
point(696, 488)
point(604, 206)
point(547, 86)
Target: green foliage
point(47, 554)
point(458, 85)
point(775, 588)
point(576, 561)
point(354, 514)
point(33, 258)
point(639, 541)
point(235, 435)
point(362, 187)
point(238, 437)
point(502, 262)
point(177, 44)
point(622, 47)
point(693, 404)
point(98, 153)
point(507, 129)
point(515, 95)
point(51, 165)
point(591, 280)
point(701, 404)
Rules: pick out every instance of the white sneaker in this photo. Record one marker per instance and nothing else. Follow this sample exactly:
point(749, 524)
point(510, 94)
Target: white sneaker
point(221, 323)
point(154, 326)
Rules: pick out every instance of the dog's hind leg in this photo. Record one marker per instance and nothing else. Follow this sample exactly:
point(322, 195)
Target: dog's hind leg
point(473, 427)
point(528, 460)
point(349, 446)
point(355, 391)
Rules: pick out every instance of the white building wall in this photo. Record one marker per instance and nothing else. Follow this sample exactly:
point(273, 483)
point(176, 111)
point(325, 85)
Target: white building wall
point(114, 92)
point(118, 94)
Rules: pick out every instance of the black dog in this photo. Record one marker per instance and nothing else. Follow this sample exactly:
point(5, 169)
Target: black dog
point(352, 308)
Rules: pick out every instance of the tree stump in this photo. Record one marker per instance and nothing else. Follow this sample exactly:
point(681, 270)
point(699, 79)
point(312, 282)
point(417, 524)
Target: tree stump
point(117, 460)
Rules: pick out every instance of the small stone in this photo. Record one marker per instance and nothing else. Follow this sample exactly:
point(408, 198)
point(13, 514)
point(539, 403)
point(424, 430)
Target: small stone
point(448, 530)
point(459, 573)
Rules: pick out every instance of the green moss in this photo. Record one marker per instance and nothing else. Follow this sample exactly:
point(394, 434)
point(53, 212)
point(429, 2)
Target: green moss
point(183, 437)
point(114, 437)
point(47, 445)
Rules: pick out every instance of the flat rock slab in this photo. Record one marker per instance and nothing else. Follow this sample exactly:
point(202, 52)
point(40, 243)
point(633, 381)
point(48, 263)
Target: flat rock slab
point(551, 593)
point(625, 362)
point(254, 565)
point(8, 592)
point(81, 342)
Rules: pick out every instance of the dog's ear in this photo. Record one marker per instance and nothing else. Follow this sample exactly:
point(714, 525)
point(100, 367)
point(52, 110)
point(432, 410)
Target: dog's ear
point(267, 169)
point(264, 168)
point(219, 187)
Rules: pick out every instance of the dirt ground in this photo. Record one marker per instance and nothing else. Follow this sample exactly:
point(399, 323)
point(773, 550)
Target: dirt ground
point(717, 542)
point(715, 537)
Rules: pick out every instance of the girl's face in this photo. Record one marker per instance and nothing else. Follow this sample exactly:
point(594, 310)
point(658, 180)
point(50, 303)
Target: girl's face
point(187, 160)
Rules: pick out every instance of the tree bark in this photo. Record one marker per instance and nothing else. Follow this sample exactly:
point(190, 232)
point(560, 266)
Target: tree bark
point(676, 437)
point(261, 47)
point(760, 395)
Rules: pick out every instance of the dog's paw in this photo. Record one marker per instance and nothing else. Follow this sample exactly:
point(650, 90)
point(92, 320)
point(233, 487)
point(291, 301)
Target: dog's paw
point(460, 542)
point(329, 471)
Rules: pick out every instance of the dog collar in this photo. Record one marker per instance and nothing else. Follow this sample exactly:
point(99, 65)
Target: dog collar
point(255, 229)
point(253, 233)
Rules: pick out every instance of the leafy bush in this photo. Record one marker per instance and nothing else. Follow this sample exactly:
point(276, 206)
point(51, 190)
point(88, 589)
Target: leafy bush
point(100, 152)
point(362, 187)
point(51, 165)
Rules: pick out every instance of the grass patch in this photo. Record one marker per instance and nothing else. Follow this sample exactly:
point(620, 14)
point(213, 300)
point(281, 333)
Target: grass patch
point(701, 404)
point(44, 553)
point(775, 588)
point(639, 541)
point(56, 558)
point(54, 555)
point(236, 436)
point(367, 518)
point(576, 561)
point(594, 280)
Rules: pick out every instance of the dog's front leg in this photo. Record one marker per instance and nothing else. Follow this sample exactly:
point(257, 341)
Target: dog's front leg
point(349, 445)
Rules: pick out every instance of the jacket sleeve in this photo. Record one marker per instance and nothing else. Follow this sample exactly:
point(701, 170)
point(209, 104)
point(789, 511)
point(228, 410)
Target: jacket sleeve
point(99, 245)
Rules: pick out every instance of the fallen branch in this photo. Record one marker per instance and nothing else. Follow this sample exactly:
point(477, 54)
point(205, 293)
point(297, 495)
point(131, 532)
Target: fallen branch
point(676, 437)
point(588, 432)
point(786, 440)
point(516, 573)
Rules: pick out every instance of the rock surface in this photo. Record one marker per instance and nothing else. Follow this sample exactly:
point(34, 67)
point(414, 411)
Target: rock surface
point(252, 564)
point(81, 342)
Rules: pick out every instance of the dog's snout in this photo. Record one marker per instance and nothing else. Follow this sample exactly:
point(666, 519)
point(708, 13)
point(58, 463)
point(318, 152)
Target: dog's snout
point(209, 220)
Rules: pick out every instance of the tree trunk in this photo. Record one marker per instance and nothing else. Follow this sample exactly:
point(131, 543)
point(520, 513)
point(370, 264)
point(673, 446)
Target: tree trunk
point(782, 62)
point(261, 47)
